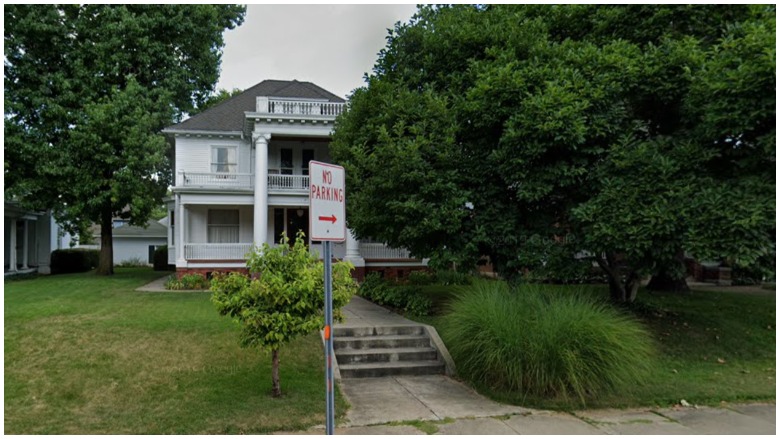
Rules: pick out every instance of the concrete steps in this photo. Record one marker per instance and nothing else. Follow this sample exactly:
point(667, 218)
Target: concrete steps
point(363, 352)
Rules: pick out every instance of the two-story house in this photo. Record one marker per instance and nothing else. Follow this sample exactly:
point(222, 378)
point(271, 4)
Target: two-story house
point(242, 177)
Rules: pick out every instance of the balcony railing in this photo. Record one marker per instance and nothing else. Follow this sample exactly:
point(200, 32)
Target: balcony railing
point(370, 250)
point(216, 252)
point(217, 180)
point(292, 183)
point(296, 107)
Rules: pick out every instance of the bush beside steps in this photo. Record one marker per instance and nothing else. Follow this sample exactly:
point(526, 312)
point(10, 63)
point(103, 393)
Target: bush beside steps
point(541, 342)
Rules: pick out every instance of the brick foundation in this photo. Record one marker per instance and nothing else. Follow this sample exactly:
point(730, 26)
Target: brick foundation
point(359, 274)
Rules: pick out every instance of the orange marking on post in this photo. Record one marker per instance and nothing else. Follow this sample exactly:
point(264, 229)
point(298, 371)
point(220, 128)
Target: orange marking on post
point(327, 332)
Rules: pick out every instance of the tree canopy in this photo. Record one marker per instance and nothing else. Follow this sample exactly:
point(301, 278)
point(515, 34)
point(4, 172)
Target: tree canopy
point(87, 90)
point(639, 131)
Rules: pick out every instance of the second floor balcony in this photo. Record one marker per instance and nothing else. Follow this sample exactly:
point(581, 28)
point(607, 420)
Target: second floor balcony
point(244, 181)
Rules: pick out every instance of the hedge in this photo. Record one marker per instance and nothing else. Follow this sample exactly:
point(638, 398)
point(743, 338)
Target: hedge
point(74, 260)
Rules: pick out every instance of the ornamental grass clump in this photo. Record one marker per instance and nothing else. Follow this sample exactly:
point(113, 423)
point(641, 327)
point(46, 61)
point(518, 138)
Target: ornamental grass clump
point(544, 342)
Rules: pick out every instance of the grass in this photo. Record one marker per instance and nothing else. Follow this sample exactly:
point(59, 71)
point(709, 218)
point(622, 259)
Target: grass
point(712, 346)
point(89, 355)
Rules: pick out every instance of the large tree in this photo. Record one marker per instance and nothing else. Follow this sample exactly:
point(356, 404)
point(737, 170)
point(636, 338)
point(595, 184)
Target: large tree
point(87, 90)
point(483, 129)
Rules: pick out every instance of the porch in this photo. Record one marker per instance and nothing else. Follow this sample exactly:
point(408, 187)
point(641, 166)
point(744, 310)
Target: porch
point(277, 182)
point(221, 235)
point(24, 252)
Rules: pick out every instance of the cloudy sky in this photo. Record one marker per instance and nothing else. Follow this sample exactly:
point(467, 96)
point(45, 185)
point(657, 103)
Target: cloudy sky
point(330, 45)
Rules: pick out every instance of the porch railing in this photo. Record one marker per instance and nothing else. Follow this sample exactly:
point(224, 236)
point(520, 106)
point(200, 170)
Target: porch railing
point(217, 179)
point(301, 108)
point(370, 250)
point(171, 255)
point(216, 252)
point(288, 182)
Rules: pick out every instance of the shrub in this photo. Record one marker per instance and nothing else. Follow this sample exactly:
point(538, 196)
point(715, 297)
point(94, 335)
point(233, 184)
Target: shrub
point(132, 262)
point(74, 260)
point(421, 277)
point(408, 299)
point(542, 342)
point(195, 281)
point(452, 277)
point(160, 259)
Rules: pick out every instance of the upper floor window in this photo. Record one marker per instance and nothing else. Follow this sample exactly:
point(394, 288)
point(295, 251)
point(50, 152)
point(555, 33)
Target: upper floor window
point(223, 159)
point(286, 161)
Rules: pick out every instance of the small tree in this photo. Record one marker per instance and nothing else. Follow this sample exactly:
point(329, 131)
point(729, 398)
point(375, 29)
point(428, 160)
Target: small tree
point(283, 299)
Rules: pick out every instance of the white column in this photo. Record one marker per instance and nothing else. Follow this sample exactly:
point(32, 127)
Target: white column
point(260, 225)
point(12, 248)
point(25, 244)
point(180, 226)
point(353, 251)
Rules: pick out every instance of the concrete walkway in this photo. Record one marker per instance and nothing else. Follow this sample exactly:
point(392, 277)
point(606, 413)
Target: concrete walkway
point(441, 405)
point(155, 286)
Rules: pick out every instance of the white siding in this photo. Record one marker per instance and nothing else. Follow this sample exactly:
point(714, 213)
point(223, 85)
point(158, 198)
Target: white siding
point(246, 223)
point(194, 154)
point(197, 222)
point(134, 248)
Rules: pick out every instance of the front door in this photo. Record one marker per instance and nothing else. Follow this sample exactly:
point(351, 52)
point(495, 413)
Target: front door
point(297, 219)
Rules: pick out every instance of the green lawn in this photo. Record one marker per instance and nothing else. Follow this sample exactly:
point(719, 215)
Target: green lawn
point(712, 346)
point(88, 355)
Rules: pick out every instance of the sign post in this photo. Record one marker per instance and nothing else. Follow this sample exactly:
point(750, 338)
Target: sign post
point(327, 213)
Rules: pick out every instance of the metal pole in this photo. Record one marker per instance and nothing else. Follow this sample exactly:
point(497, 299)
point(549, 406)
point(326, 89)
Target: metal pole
point(329, 406)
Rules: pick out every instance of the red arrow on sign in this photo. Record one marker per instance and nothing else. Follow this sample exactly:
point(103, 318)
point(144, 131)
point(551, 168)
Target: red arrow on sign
point(331, 218)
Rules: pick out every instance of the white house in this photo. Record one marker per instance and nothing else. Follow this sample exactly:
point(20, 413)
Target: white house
point(134, 243)
point(27, 240)
point(242, 177)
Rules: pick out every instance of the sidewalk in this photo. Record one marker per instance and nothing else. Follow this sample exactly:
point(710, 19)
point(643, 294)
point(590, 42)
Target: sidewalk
point(440, 405)
point(732, 419)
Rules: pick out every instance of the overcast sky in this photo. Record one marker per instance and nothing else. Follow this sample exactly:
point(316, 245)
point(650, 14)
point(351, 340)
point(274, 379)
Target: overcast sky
point(329, 45)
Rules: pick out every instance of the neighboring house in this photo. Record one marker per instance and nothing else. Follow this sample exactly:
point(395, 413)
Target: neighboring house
point(27, 241)
point(135, 243)
point(242, 177)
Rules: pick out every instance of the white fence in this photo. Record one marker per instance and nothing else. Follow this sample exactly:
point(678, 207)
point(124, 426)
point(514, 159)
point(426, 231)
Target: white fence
point(216, 252)
point(381, 251)
point(217, 179)
point(304, 108)
point(294, 183)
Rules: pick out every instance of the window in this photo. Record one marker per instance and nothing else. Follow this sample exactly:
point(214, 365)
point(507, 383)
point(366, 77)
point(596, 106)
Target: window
point(152, 248)
point(307, 155)
point(223, 226)
point(223, 159)
point(172, 223)
point(286, 163)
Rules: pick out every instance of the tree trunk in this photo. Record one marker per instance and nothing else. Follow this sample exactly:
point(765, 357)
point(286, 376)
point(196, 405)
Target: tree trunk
point(106, 262)
point(276, 389)
point(631, 286)
point(672, 279)
point(617, 290)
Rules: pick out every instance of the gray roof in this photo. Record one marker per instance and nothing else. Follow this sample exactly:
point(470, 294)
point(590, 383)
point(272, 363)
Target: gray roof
point(229, 115)
point(153, 230)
